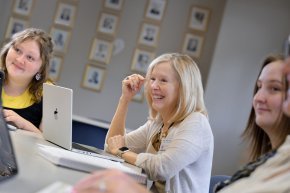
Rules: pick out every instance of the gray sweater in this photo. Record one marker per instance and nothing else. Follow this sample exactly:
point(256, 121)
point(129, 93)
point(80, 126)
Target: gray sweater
point(185, 164)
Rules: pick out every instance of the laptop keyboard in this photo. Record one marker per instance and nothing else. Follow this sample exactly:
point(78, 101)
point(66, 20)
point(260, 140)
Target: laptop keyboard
point(95, 152)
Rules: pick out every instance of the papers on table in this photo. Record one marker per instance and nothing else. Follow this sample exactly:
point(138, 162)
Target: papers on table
point(82, 162)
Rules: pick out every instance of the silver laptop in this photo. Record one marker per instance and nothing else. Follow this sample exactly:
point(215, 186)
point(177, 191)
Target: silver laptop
point(57, 121)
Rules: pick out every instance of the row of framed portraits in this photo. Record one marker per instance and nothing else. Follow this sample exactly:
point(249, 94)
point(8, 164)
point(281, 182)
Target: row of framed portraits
point(19, 19)
point(93, 76)
point(148, 35)
point(150, 28)
point(109, 21)
point(139, 63)
point(102, 48)
point(102, 45)
point(197, 25)
point(93, 79)
point(64, 18)
point(65, 14)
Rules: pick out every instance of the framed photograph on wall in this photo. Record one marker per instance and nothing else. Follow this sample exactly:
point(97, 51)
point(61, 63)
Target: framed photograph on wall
point(55, 67)
point(93, 78)
point(115, 5)
point(65, 14)
point(108, 24)
point(61, 39)
point(23, 7)
point(193, 45)
point(199, 18)
point(155, 10)
point(15, 25)
point(149, 34)
point(141, 60)
point(139, 96)
point(101, 51)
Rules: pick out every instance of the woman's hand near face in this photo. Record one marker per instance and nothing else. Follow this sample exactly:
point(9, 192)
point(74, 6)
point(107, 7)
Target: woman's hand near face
point(131, 85)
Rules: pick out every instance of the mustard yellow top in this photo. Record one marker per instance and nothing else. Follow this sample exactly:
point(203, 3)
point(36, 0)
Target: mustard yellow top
point(17, 102)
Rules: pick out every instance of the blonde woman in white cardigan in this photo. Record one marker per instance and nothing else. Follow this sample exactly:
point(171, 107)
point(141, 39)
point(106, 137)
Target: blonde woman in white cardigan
point(175, 145)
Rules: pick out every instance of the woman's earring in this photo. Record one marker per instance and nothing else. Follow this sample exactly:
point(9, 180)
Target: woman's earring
point(37, 76)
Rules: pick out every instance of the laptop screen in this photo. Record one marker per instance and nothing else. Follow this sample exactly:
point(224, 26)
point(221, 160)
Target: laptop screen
point(8, 165)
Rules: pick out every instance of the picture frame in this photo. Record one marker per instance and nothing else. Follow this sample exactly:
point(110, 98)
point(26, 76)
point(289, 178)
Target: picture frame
point(15, 25)
point(115, 5)
point(155, 10)
point(199, 18)
point(108, 24)
point(61, 38)
point(141, 60)
point(139, 97)
point(23, 7)
point(149, 34)
point(101, 51)
point(65, 14)
point(93, 78)
point(55, 66)
point(193, 45)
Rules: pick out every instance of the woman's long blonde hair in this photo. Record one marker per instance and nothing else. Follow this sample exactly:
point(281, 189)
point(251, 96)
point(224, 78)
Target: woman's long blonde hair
point(191, 92)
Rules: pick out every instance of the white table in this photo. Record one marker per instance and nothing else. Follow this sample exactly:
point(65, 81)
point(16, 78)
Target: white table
point(35, 172)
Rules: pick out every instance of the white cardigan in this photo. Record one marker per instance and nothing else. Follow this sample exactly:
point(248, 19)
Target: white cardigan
point(186, 163)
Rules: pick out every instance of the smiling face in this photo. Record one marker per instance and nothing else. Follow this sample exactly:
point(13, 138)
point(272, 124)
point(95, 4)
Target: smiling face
point(23, 61)
point(164, 88)
point(268, 99)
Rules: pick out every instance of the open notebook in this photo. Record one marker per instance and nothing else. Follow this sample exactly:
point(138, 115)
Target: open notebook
point(8, 165)
point(57, 121)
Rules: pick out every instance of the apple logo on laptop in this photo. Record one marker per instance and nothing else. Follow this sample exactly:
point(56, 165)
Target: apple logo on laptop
point(55, 113)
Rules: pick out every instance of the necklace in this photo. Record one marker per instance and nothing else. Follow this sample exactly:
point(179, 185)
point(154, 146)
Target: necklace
point(156, 142)
point(162, 134)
